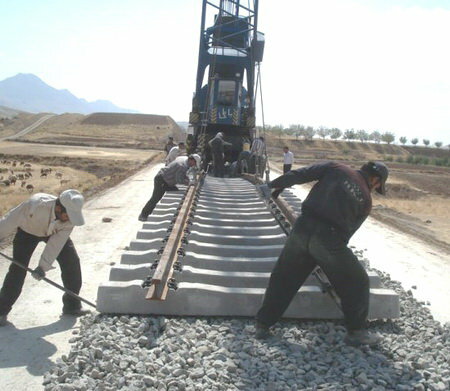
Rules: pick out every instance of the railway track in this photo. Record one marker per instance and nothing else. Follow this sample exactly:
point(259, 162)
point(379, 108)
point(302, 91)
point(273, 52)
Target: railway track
point(208, 250)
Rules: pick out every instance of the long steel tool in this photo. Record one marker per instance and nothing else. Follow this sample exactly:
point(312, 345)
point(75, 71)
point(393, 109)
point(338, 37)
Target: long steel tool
point(65, 290)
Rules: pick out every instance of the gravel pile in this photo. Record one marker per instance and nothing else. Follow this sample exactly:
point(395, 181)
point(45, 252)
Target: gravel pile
point(160, 353)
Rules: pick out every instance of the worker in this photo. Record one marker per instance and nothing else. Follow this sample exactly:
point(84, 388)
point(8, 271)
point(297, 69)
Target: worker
point(258, 151)
point(167, 177)
point(169, 145)
point(335, 208)
point(243, 161)
point(176, 151)
point(288, 160)
point(43, 217)
point(217, 145)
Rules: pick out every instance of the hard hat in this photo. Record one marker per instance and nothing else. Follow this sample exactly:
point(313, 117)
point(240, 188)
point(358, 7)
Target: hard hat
point(377, 169)
point(73, 201)
point(219, 134)
point(198, 159)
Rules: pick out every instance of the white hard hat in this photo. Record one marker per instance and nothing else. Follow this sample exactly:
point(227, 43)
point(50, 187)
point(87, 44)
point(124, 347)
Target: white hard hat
point(198, 159)
point(73, 201)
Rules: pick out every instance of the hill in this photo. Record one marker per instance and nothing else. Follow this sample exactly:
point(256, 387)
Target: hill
point(28, 93)
point(99, 129)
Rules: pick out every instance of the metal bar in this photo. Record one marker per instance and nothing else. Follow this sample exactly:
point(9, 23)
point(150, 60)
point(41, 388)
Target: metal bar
point(65, 290)
point(158, 290)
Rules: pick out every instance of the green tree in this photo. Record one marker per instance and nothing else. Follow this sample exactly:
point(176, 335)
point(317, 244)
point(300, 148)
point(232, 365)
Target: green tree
point(438, 144)
point(297, 129)
point(414, 141)
point(375, 136)
point(309, 133)
point(403, 140)
point(388, 137)
point(278, 130)
point(426, 142)
point(362, 135)
point(335, 133)
point(349, 134)
point(323, 132)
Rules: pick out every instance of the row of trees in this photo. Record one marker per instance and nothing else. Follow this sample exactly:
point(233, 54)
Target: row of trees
point(308, 133)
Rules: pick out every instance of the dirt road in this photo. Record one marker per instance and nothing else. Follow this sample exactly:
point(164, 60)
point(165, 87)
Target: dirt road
point(38, 335)
point(29, 128)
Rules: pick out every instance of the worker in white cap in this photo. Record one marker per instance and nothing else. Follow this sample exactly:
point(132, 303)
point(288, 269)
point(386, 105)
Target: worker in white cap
point(43, 217)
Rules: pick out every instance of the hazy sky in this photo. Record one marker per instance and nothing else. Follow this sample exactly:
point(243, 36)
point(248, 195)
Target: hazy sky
point(364, 64)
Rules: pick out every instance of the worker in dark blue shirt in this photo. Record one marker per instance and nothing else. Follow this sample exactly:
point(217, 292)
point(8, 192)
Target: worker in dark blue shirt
point(335, 208)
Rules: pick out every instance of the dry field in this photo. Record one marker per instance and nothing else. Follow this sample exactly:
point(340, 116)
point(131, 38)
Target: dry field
point(107, 130)
point(84, 168)
point(418, 197)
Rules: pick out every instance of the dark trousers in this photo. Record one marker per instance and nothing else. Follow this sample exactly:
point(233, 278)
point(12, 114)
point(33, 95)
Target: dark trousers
point(286, 168)
point(159, 188)
point(218, 164)
point(314, 243)
point(24, 245)
point(258, 165)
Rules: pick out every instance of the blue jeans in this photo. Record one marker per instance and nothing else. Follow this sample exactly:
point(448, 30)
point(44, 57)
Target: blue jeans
point(316, 243)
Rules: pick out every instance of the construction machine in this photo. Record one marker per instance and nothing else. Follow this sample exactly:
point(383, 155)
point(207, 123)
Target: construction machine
point(224, 100)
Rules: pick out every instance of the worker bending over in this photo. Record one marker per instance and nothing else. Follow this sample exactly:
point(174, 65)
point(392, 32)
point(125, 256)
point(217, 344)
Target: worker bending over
point(176, 151)
point(335, 208)
point(47, 218)
point(167, 178)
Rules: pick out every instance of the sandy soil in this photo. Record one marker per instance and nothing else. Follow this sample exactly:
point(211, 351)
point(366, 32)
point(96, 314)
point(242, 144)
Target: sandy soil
point(18, 148)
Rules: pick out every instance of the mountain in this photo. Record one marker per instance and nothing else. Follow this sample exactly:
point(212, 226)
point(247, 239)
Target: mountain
point(29, 93)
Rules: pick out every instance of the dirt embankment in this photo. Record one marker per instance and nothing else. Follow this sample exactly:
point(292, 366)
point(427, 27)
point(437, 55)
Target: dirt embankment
point(116, 130)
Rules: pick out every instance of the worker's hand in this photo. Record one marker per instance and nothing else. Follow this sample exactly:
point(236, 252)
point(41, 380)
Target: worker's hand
point(276, 193)
point(265, 191)
point(38, 273)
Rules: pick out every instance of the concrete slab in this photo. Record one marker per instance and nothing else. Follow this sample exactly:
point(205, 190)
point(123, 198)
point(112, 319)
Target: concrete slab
point(195, 299)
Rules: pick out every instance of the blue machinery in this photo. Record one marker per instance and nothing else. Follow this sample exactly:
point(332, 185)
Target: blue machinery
point(229, 52)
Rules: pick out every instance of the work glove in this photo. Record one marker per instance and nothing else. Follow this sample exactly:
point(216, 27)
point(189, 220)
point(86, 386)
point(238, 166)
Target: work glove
point(265, 191)
point(276, 193)
point(38, 273)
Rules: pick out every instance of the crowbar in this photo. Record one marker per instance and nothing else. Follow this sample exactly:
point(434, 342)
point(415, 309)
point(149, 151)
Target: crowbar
point(65, 290)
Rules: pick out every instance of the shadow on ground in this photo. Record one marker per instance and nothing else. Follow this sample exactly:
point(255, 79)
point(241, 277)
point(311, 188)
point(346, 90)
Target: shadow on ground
point(28, 347)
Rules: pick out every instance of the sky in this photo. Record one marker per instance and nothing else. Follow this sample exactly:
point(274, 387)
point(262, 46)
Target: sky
point(363, 64)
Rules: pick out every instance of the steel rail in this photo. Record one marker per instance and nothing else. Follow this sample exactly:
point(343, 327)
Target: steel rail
point(291, 216)
point(159, 282)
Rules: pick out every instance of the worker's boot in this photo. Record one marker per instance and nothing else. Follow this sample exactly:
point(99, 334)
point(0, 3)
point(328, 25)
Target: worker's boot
point(362, 337)
point(262, 331)
point(3, 320)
